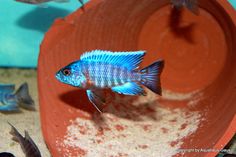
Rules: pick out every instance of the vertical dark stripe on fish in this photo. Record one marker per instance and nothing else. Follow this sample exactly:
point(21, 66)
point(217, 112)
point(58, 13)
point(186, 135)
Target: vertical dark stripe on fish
point(118, 77)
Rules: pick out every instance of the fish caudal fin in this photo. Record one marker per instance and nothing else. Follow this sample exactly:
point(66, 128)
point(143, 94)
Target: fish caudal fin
point(151, 76)
point(23, 97)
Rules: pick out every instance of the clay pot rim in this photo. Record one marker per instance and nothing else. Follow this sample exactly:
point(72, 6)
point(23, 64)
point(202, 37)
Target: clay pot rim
point(231, 130)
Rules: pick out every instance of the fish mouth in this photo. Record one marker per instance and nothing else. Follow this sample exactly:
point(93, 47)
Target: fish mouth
point(58, 76)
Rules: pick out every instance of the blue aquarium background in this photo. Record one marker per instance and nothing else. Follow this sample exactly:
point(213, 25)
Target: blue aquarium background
point(23, 27)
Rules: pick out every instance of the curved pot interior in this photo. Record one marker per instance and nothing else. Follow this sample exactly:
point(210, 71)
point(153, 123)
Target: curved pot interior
point(198, 80)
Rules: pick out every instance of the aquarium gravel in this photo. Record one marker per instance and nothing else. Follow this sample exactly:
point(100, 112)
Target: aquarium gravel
point(25, 120)
point(147, 130)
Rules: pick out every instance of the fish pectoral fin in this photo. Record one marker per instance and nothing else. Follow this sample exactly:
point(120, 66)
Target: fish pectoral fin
point(130, 88)
point(7, 88)
point(95, 97)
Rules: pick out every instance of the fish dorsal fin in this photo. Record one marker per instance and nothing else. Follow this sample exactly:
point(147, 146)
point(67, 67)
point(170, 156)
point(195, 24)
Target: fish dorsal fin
point(129, 59)
point(7, 88)
point(27, 137)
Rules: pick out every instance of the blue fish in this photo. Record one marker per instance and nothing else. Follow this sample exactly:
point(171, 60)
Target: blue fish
point(41, 1)
point(118, 71)
point(11, 101)
point(192, 5)
point(27, 144)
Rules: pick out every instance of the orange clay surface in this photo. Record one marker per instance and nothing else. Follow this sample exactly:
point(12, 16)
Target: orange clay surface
point(197, 109)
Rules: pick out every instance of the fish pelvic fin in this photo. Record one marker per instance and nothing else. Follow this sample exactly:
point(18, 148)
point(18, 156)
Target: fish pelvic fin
point(23, 97)
point(129, 88)
point(151, 76)
point(96, 99)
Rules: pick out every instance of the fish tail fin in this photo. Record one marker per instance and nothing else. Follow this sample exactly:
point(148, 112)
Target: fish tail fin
point(151, 76)
point(23, 97)
point(16, 136)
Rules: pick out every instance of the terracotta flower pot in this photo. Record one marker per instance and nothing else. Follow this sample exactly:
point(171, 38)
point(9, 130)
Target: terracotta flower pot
point(197, 109)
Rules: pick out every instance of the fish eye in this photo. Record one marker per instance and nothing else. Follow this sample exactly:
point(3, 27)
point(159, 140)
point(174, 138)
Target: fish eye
point(66, 72)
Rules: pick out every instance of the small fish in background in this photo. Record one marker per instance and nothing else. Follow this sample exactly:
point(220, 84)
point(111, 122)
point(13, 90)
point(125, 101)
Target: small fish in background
point(118, 71)
point(229, 155)
point(82, 4)
point(225, 155)
point(41, 1)
point(6, 154)
point(192, 5)
point(42, 4)
point(27, 144)
point(11, 101)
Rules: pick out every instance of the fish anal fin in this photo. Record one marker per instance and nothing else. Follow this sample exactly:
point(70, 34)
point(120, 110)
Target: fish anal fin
point(130, 88)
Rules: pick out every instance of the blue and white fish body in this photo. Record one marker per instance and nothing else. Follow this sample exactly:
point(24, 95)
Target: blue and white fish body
point(11, 101)
point(118, 71)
